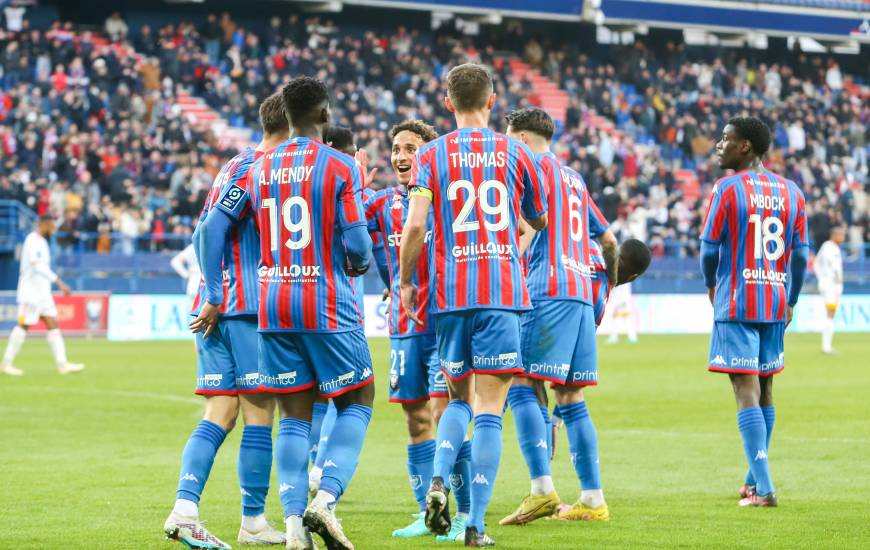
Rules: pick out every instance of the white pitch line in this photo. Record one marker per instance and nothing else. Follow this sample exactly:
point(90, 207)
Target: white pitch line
point(118, 393)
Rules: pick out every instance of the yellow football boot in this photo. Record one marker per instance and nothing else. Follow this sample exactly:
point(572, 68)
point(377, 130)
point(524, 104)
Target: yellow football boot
point(532, 508)
point(581, 512)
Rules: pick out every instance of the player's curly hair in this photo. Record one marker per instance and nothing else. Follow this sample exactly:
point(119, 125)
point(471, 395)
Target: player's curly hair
point(272, 117)
point(532, 119)
point(427, 133)
point(303, 95)
point(755, 131)
point(340, 139)
point(469, 86)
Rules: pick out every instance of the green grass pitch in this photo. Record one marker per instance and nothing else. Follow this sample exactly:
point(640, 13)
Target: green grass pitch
point(91, 461)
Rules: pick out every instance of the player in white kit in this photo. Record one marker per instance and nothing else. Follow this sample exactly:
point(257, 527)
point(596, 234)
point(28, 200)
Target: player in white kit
point(186, 265)
point(623, 314)
point(828, 267)
point(35, 302)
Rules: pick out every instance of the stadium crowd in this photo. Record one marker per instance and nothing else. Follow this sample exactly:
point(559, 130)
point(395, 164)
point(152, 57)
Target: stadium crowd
point(91, 132)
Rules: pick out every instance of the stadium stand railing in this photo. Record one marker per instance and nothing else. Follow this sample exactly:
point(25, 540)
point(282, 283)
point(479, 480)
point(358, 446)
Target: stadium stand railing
point(16, 220)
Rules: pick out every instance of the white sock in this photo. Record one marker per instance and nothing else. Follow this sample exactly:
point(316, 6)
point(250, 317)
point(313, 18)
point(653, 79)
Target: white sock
point(542, 485)
point(326, 498)
point(254, 524)
point(314, 475)
point(55, 340)
point(827, 334)
point(186, 508)
point(592, 498)
point(13, 346)
point(294, 526)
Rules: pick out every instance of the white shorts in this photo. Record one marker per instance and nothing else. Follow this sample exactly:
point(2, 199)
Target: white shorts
point(831, 294)
point(30, 312)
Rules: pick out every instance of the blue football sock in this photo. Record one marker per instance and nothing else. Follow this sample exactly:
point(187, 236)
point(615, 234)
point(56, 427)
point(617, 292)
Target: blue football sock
point(344, 447)
point(318, 411)
point(197, 458)
point(451, 433)
point(769, 420)
point(325, 430)
point(420, 459)
point(754, 434)
point(583, 444)
point(460, 479)
point(548, 425)
point(291, 464)
point(485, 456)
point(255, 467)
point(531, 429)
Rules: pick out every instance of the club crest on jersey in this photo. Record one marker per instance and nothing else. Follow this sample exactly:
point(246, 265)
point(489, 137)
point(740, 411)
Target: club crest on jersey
point(232, 197)
point(416, 481)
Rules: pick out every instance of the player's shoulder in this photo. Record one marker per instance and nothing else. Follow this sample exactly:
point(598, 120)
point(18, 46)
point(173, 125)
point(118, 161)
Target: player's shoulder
point(787, 184)
point(379, 197)
point(342, 159)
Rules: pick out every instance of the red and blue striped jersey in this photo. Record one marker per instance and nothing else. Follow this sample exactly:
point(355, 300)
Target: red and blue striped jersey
point(480, 181)
point(600, 284)
point(242, 250)
point(756, 218)
point(304, 194)
point(386, 213)
point(559, 257)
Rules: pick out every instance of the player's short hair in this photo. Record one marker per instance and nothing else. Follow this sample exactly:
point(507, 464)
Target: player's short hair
point(634, 257)
point(532, 119)
point(272, 116)
point(755, 131)
point(427, 133)
point(303, 95)
point(340, 138)
point(469, 86)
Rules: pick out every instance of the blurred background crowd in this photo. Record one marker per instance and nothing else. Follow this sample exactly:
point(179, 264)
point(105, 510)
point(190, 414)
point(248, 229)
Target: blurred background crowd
point(91, 129)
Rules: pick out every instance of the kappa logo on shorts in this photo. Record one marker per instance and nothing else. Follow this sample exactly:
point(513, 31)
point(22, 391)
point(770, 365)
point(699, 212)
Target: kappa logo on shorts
point(232, 197)
point(718, 361)
point(367, 372)
point(210, 380)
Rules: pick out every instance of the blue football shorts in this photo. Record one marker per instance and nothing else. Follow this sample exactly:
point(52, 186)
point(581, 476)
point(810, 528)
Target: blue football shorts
point(747, 348)
point(227, 359)
point(559, 345)
point(415, 371)
point(335, 362)
point(483, 341)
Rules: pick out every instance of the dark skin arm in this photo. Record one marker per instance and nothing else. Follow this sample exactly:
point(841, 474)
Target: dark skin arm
point(610, 251)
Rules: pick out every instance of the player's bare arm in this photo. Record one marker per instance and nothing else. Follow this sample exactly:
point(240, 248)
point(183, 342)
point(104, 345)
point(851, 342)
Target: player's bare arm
point(413, 235)
point(538, 224)
point(527, 233)
point(610, 251)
